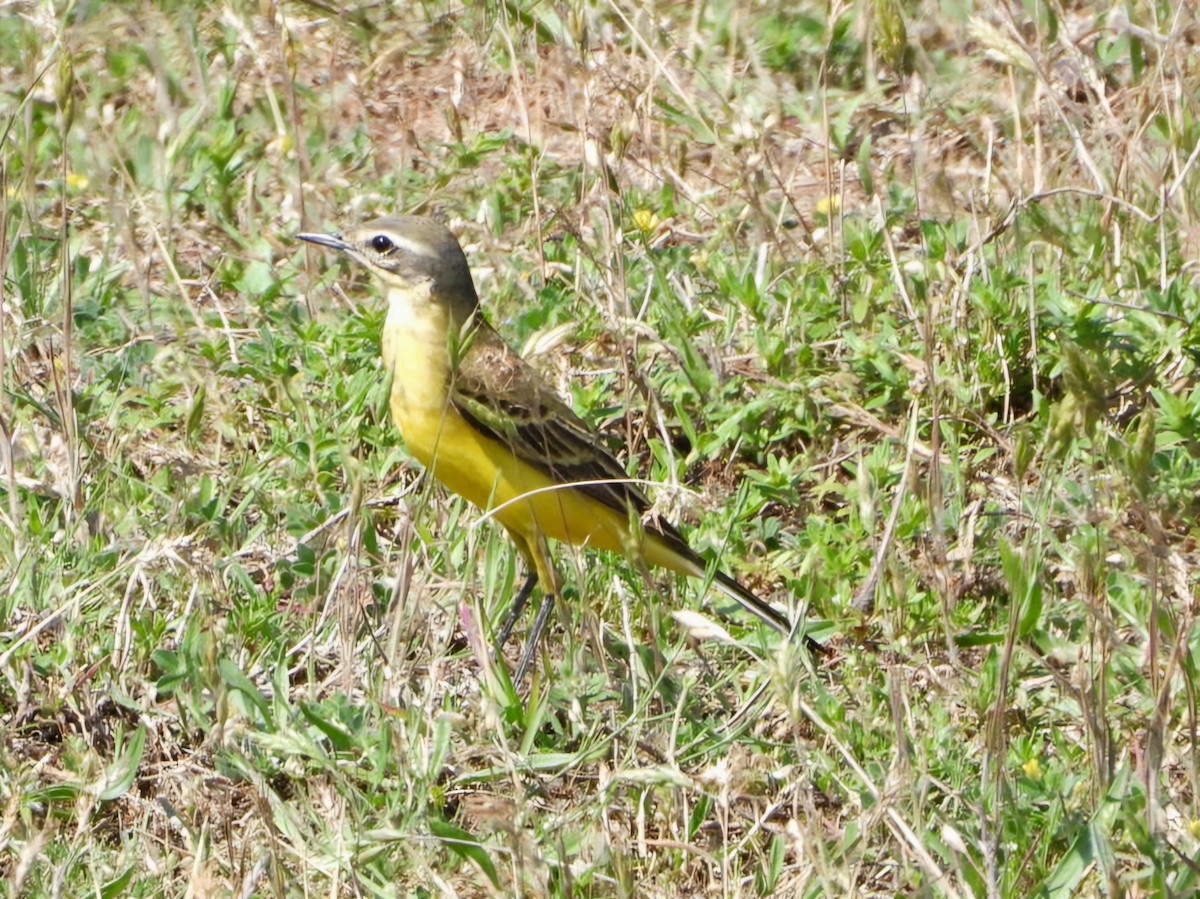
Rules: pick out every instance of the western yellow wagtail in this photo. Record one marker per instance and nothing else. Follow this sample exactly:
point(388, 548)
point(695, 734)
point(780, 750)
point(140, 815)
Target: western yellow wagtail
point(483, 422)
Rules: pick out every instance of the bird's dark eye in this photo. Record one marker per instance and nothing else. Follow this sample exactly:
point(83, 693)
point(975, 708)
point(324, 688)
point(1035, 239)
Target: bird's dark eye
point(381, 243)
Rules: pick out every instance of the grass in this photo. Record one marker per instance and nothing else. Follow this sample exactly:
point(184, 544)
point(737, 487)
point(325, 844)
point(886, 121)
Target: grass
point(893, 305)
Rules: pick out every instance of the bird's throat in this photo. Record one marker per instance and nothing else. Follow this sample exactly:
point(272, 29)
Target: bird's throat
point(415, 345)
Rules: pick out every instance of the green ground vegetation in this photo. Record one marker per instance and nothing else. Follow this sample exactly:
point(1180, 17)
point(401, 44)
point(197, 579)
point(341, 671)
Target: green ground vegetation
point(890, 302)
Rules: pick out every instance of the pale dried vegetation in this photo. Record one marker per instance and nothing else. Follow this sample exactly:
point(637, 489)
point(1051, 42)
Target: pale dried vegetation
point(697, 768)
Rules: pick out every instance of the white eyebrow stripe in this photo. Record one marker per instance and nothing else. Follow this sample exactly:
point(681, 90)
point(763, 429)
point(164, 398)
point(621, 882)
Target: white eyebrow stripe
point(411, 246)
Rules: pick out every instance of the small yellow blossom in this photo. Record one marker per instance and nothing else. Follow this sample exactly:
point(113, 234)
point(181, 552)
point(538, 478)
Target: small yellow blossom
point(829, 206)
point(76, 181)
point(646, 221)
point(1032, 769)
point(280, 146)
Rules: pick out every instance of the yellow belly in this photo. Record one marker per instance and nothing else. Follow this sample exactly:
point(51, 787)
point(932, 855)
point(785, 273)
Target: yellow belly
point(487, 474)
point(482, 470)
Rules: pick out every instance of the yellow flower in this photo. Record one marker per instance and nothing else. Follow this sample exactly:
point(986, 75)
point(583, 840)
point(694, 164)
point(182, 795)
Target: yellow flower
point(280, 146)
point(76, 181)
point(829, 206)
point(1032, 769)
point(646, 221)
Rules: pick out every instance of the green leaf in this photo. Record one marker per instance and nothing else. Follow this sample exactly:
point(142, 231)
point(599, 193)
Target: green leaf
point(338, 738)
point(1022, 570)
point(1093, 846)
point(120, 774)
point(195, 418)
point(979, 638)
point(236, 681)
point(464, 845)
point(118, 884)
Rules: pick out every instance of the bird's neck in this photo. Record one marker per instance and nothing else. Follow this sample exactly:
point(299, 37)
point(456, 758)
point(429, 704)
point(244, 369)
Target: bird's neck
point(416, 346)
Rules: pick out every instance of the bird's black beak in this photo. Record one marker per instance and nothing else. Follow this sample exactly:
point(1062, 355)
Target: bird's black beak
point(333, 241)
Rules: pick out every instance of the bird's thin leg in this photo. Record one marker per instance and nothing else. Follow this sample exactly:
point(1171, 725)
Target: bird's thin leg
point(535, 636)
point(514, 612)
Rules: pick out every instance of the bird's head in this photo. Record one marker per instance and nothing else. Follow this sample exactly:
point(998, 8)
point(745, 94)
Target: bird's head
point(407, 253)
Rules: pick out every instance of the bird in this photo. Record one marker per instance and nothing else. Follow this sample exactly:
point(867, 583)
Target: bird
point(489, 428)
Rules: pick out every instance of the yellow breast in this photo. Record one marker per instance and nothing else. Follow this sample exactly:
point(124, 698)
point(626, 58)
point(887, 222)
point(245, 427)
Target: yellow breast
point(481, 469)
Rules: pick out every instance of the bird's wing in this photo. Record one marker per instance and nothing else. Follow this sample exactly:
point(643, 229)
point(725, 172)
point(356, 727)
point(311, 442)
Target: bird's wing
point(500, 395)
